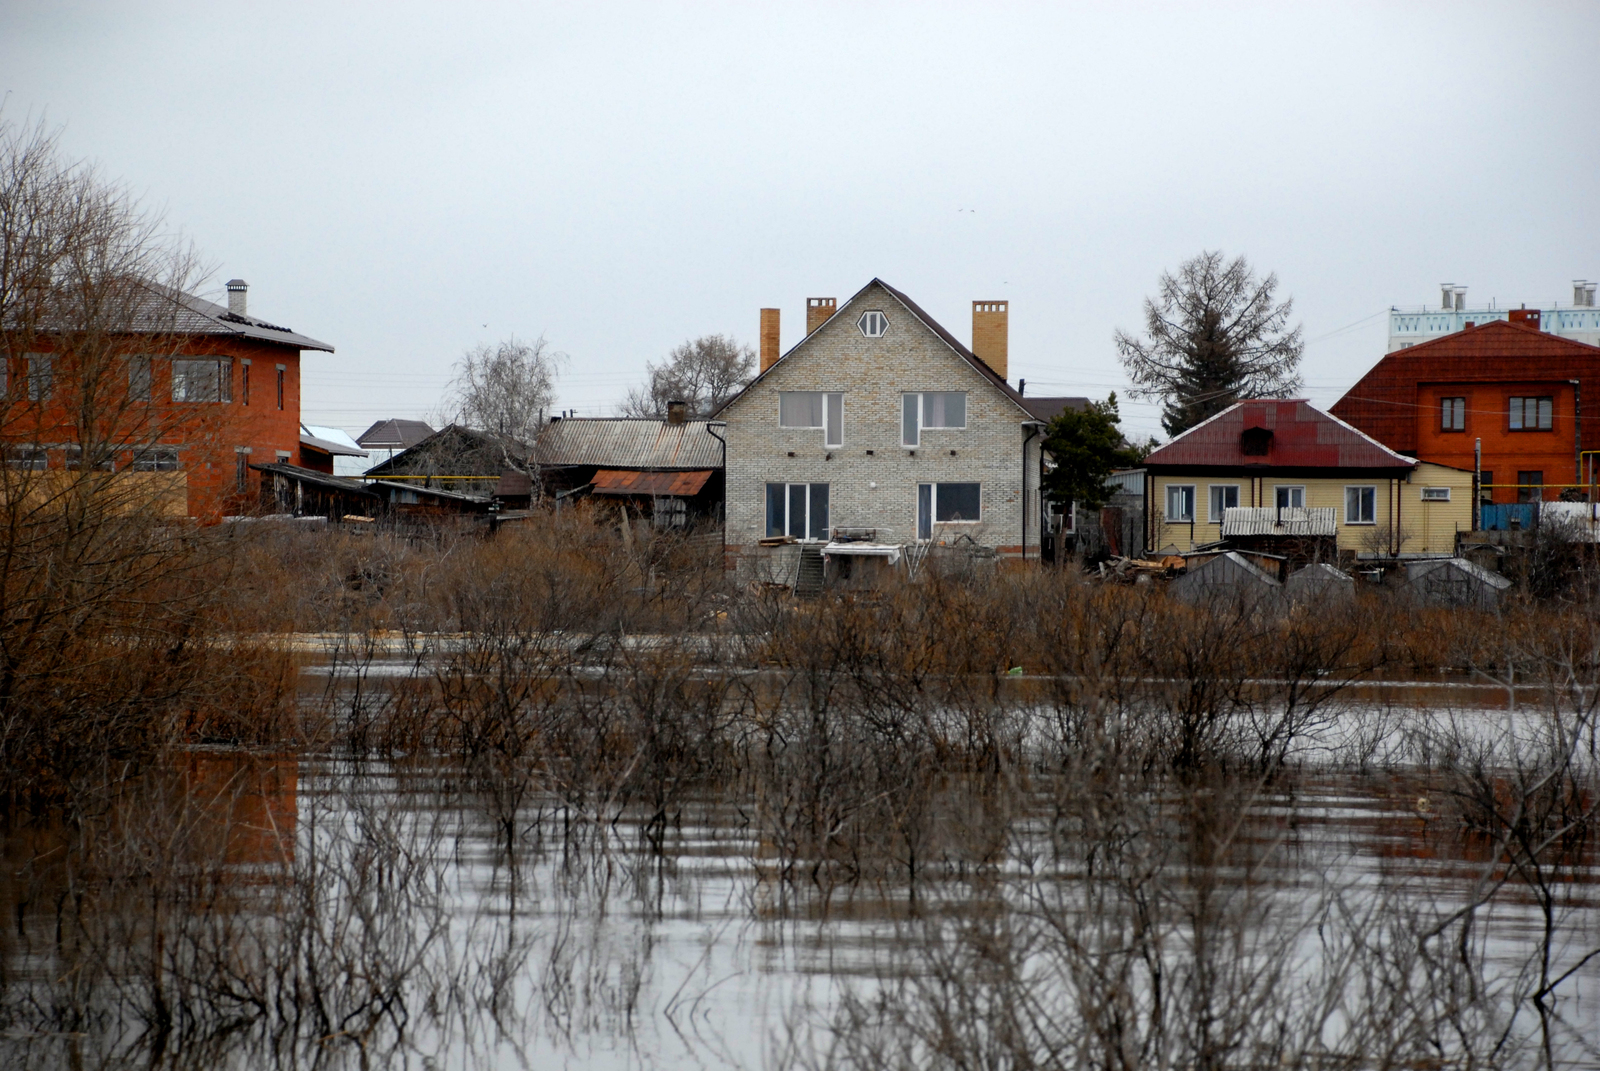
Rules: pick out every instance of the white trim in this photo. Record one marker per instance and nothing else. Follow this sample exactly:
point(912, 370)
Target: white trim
point(1289, 487)
point(1433, 494)
point(1363, 487)
point(1213, 486)
point(1194, 503)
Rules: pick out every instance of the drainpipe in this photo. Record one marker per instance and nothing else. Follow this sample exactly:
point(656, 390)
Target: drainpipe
point(1033, 427)
point(710, 425)
point(1477, 485)
point(1577, 429)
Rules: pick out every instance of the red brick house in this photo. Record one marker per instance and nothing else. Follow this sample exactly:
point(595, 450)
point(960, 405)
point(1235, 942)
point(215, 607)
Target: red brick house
point(1531, 398)
point(194, 390)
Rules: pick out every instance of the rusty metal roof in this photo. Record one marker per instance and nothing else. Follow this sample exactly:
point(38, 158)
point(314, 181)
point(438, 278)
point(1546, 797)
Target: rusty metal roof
point(635, 482)
point(628, 444)
point(1300, 438)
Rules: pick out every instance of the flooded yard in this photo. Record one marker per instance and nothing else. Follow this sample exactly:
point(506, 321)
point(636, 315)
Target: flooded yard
point(1351, 908)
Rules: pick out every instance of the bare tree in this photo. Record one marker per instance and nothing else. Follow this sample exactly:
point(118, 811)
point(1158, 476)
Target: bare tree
point(704, 372)
point(506, 388)
point(1215, 335)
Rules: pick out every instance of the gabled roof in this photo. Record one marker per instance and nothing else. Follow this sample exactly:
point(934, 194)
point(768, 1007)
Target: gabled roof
point(1047, 409)
point(628, 443)
point(927, 321)
point(1301, 438)
point(1497, 338)
point(394, 434)
point(172, 310)
point(464, 448)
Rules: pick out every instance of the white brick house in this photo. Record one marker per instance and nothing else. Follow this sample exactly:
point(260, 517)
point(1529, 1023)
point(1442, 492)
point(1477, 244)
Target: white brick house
point(880, 419)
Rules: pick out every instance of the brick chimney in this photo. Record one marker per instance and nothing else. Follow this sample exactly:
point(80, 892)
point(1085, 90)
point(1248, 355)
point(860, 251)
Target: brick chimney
point(677, 411)
point(990, 331)
point(818, 309)
point(237, 288)
point(769, 338)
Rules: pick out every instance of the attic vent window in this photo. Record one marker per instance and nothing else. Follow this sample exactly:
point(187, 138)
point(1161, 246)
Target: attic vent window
point(873, 324)
point(1255, 441)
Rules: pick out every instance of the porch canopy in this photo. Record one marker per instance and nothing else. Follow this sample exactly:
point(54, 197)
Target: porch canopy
point(891, 551)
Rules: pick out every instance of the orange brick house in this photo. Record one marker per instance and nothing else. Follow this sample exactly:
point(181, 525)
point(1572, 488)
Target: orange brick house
point(193, 390)
point(1531, 398)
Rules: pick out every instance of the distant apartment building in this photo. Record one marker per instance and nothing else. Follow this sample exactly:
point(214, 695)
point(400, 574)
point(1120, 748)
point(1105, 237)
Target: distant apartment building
point(1579, 321)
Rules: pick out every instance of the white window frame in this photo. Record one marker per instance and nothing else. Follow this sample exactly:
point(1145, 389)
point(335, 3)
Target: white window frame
point(1372, 488)
point(1214, 515)
point(920, 416)
point(222, 371)
point(41, 375)
point(1289, 487)
point(1173, 518)
point(788, 497)
point(873, 323)
point(1436, 494)
point(832, 409)
point(933, 505)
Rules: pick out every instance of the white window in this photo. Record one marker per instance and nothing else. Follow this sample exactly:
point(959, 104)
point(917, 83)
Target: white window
point(208, 379)
point(873, 324)
point(931, 409)
point(813, 409)
point(947, 503)
point(797, 509)
point(1291, 497)
point(1361, 505)
point(41, 375)
point(1180, 501)
point(27, 457)
point(1224, 496)
point(1436, 494)
point(156, 459)
point(139, 378)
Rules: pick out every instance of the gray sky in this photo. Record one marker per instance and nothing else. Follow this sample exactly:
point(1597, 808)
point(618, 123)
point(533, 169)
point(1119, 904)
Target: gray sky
point(406, 181)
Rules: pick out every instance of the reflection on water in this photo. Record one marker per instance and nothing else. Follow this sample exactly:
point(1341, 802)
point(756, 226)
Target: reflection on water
point(249, 911)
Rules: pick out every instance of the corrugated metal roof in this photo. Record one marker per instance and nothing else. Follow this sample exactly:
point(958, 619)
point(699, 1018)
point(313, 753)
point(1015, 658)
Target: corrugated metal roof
point(1290, 521)
point(634, 482)
point(1301, 437)
point(628, 444)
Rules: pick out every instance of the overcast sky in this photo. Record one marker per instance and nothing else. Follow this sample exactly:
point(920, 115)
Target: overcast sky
point(406, 181)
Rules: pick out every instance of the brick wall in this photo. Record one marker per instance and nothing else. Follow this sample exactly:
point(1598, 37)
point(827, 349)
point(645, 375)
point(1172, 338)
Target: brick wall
point(879, 489)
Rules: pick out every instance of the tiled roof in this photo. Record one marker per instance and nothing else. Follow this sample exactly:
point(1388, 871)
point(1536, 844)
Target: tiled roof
point(165, 310)
point(628, 444)
point(1383, 402)
point(1301, 437)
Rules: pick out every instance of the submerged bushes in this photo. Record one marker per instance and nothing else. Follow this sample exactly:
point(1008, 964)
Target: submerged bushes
point(1096, 862)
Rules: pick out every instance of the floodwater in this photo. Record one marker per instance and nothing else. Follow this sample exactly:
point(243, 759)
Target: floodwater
point(410, 915)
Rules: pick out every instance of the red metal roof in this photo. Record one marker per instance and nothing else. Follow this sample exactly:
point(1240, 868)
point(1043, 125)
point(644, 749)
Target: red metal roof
point(1302, 437)
point(634, 482)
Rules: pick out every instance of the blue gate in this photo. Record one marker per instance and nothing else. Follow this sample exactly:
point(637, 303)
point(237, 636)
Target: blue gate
point(1504, 516)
